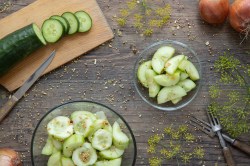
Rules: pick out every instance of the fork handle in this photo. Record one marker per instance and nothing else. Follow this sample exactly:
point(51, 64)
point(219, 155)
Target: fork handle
point(244, 147)
point(228, 156)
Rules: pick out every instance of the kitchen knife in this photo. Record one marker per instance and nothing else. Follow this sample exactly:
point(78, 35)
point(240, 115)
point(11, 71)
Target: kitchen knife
point(6, 108)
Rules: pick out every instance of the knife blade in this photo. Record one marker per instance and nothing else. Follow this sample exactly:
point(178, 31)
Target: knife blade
point(6, 108)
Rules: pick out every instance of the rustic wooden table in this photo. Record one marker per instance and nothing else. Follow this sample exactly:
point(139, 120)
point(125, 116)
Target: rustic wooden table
point(110, 81)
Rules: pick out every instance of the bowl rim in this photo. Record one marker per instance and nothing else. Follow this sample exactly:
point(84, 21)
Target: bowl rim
point(84, 101)
point(135, 79)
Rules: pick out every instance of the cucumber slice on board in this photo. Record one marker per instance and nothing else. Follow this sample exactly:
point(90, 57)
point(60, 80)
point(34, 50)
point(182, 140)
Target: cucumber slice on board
point(63, 21)
point(85, 155)
point(73, 22)
point(160, 58)
point(85, 21)
point(111, 153)
point(60, 127)
point(115, 162)
point(19, 44)
point(52, 30)
point(48, 148)
point(170, 93)
point(70, 144)
point(67, 162)
point(55, 159)
point(141, 73)
point(102, 139)
point(120, 139)
point(153, 86)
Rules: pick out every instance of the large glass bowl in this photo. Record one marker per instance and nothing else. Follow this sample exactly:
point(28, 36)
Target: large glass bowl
point(40, 134)
point(147, 54)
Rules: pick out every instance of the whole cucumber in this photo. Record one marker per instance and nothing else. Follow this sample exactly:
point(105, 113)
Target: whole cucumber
point(16, 46)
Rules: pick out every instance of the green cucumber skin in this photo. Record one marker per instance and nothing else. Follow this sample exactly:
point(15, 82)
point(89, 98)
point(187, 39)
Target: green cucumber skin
point(16, 46)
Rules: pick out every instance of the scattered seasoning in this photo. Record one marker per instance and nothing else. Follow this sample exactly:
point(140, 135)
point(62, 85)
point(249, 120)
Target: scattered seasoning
point(5, 6)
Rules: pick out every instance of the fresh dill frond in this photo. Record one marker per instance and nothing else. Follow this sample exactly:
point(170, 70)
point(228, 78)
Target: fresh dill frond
point(214, 91)
point(121, 21)
point(186, 157)
point(155, 161)
point(124, 12)
point(189, 137)
point(148, 32)
point(199, 152)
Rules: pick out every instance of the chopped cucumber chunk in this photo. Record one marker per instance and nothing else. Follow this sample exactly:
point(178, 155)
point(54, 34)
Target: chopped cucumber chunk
point(102, 139)
point(78, 116)
point(167, 79)
point(115, 162)
point(160, 58)
point(67, 162)
point(101, 115)
point(111, 153)
point(170, 93)
point(60, 127)
point(172, 64)
point(177, 100)
point(57, 144)
point(187, 84)
point(141, 73)
point(153, 86)
point(85, 155)
point(55, 159)
point(99, 124)
point(70, 144)
point(48, 148)
point(183, 76)
point(191, 70)
point(84, 127)
point(120, 139)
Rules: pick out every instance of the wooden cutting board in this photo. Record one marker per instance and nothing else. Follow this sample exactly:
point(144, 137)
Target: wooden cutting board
point(68, 48)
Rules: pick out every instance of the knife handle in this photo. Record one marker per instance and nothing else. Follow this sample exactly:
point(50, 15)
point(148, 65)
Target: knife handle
point(244, 147)
point(6, 108)
point(228, 156)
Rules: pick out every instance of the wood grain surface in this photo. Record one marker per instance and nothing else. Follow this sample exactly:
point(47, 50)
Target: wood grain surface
point(105, 75)
point(67, 49)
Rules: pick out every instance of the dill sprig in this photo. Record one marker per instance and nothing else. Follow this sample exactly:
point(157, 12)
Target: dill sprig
point(233, 111)
point(145, 16)
point(176, 138)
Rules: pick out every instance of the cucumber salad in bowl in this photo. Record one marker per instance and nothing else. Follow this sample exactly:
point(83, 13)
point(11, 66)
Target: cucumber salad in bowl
point(85, 138)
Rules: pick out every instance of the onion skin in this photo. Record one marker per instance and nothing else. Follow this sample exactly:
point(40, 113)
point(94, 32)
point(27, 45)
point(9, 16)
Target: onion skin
point(214, 11)
point(9, 157)
point(239, 15)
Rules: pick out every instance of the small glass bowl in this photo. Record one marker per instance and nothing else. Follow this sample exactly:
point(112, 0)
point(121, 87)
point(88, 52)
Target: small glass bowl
point(40, 134)
point(147, 54)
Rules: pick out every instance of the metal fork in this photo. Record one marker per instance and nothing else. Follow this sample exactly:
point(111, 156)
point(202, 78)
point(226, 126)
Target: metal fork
point(206, 128)
point(216, 127)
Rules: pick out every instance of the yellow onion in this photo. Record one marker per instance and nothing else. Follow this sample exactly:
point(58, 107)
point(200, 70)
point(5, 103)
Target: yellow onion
point(214, 11)
point(9, 157)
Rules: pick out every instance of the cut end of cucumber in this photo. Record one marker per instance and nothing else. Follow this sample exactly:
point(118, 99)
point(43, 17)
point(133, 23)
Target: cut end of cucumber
point(39, 33)
point(85, 21)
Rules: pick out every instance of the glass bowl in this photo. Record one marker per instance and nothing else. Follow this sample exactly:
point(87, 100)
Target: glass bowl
point(40, 134)
point(147, 54)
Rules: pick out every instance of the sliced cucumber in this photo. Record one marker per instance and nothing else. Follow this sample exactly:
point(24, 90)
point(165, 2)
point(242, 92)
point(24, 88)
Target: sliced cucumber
point(153, 86)
point(48, 148)
point(115, 162)
point(60, 127)
point(111, 153)
point(85, 21)
point(177, 100)
point(141, 73)
point(80, 115)
point(187, 84)
point(183, 76)
point(55, 150)
point(100, 115)
point(84, 127)
point(191, 70)
point(85, 155)
point(99, 124)
point(160, 58)
point(70, 144)
point(67, 162)
point(172, 64)
point(120, 139)
point(102, 139)
point(52, 30)
point(170, 93)
point(63, 21)
point(167, 79)
point(55, 159)
point(73, 22)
